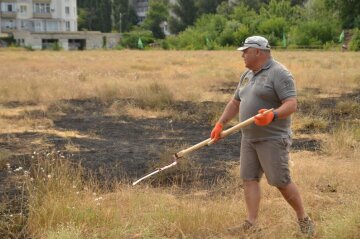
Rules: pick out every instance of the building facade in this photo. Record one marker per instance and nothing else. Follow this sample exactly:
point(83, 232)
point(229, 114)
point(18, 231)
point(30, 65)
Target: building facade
point(46, 24)
point(38, 16)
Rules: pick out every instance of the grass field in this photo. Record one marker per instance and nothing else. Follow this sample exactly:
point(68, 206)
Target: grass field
point(59, 107)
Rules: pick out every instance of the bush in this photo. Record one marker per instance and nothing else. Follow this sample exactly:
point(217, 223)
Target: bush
point(130, 39)
point(190, 39)
point(234, 34)
point(313, 33)
point(206, 34)
point(354, 44)
point(273, 29)
point(29, 48)
point(56, 47)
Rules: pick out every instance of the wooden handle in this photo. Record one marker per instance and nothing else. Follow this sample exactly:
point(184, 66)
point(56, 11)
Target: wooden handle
point(223, 134)
point(237, 127)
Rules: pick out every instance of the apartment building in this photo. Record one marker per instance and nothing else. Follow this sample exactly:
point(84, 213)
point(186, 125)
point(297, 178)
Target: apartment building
point(42, 24)
point(38, 16)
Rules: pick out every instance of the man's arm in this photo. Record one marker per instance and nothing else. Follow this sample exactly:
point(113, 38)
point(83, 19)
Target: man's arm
point(230, 111)
point(287, 107)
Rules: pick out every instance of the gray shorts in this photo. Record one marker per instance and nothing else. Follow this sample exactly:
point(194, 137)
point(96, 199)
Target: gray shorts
point(266, 156)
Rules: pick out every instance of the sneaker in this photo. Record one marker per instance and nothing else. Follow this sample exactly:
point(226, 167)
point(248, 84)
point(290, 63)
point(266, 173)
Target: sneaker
point(246, 227)
point(307, 226)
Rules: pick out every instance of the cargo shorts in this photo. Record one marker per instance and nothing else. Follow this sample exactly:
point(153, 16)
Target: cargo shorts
point(269, 156)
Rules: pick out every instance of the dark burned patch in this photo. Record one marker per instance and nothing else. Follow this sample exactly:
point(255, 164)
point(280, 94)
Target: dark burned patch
point(76, 106)
point(307, 144)
point(121, 146)
point(309, 105)
point(328, 113)
point(205, 113)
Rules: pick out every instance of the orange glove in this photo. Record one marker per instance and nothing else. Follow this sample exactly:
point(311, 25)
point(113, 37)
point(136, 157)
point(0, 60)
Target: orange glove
point(264, 119)
point(215, 133)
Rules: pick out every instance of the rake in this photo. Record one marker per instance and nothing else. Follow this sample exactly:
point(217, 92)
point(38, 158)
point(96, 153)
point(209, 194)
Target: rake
point(197, 146)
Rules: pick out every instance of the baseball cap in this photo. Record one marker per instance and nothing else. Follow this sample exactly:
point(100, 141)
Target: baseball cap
point(258, 42)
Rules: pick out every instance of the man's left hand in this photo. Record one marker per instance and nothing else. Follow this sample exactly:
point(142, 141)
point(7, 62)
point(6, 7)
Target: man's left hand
point(264, 119)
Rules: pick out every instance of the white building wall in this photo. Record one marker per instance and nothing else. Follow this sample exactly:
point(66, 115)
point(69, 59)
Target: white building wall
point(61, 15)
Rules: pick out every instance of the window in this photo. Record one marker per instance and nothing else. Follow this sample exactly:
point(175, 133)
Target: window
point(67, 26)
point(23, 9)
point(42, 8)
point(7, 7)
point(52, 26)
point(67, 10)
point(9, 24)
point(38, 26)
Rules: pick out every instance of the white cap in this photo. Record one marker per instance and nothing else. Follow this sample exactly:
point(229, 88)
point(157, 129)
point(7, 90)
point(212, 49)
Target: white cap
point(258, 42)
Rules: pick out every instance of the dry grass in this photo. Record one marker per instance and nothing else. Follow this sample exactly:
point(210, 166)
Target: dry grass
point(49, 76)
point(64, 206)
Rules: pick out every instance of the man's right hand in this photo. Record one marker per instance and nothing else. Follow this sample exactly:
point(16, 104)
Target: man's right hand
point(215, 133)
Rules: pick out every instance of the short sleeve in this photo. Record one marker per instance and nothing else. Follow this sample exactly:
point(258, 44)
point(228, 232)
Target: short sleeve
point(236, 94)
point(237, 91)
point(284, 85)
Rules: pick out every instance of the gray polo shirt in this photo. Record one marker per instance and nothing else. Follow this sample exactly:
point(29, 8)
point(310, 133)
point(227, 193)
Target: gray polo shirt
point(264, 90)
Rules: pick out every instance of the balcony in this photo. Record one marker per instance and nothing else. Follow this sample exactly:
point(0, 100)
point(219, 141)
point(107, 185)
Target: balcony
point(42, 15)
point(7, 29)
point(8, 14)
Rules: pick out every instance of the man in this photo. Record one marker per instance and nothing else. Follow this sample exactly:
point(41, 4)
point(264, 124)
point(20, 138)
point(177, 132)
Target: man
point(264, 145)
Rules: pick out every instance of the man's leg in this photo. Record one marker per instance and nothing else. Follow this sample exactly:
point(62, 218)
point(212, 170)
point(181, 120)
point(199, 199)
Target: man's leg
point(252, 199)
point(292, 196)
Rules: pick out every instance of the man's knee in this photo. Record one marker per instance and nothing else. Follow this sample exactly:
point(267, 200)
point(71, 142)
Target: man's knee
point(279, 183)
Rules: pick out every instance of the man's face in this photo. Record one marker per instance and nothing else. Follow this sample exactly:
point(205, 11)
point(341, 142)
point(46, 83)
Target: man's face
point(250, 56)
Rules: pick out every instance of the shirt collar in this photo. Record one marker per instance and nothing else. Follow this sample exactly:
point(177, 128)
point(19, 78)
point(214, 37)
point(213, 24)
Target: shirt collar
point(266, 66)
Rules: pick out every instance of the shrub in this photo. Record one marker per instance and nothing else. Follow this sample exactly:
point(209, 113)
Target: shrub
point(313, 33)
point(56, 47)
point(130, 39)
point(273, 29)
point(201, 36)
point(234, 34)
point(354, 44)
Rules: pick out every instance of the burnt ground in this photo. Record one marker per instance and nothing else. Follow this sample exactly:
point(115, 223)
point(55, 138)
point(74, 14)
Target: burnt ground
point(121, 146)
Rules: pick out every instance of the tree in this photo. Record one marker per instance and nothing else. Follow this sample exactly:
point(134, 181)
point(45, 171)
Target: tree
point(208, 6)
point(98, 14)
point(158, 13)
point(348, 10)
point(184, 15)
point(83, 15)
point(122, 8)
